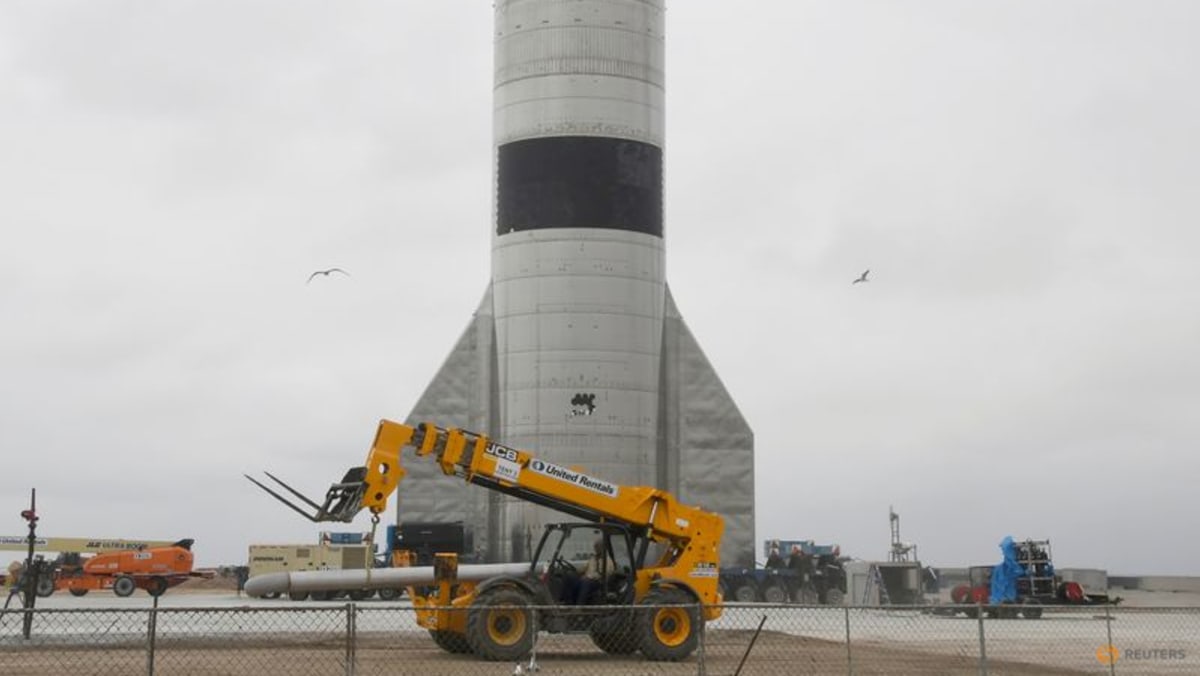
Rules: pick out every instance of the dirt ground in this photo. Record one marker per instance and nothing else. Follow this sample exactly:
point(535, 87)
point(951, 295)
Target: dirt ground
point(214, 583)
point(773, 654)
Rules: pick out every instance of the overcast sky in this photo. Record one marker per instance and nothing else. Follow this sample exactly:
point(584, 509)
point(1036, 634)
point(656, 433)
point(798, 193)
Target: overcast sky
point(1020, 177)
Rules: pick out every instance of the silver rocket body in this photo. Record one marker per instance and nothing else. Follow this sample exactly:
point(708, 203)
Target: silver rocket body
point(577, 351)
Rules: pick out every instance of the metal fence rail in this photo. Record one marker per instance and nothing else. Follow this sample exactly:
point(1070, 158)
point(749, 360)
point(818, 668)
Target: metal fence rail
point(748, 639)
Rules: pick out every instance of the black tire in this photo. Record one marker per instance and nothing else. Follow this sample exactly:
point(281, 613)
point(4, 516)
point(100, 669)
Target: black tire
point(806, 595)
point(971, 612)
point(76, 591)
point(1031, 610)
point(45, 586)
point(455, 644)
point(668, 625)
point(158, 586)
point(745, 592)
point(272, 595)
point(390, 594)
point(298, 595)
point(835, 597)
point(124, 586)
point(321, 595)
point(361, 594)
point(615, 634)
point(500, 625)
point(775, 592)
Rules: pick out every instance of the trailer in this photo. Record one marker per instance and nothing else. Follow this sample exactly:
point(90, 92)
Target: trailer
point(1021, 585)
point(811, 574)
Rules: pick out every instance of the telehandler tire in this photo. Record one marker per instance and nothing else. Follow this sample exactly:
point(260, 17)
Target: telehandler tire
point(668, 625)
point(500, 625)
point(455, 644)
point(124, 586)
point(615, 635)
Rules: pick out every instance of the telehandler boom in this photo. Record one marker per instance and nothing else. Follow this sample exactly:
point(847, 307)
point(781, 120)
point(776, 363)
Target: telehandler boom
point(639, 601)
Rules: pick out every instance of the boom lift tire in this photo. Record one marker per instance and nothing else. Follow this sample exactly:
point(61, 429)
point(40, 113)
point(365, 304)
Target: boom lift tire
point(124, 586)
point(298, 595)
point(500, 625)
point(668, 627)
point(75, 591)
point(157, 586)
point(390, 594)
point(455, 644)
point(615, 634)
point(45, 586)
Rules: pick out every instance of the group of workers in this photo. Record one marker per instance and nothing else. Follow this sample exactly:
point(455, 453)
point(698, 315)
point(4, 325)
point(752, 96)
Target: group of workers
point(797, 560)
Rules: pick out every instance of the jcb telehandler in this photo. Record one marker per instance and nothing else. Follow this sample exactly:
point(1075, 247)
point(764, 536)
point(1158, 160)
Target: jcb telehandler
point(652, 602)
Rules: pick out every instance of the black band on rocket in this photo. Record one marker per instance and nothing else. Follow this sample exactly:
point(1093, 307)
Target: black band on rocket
point(579, 182)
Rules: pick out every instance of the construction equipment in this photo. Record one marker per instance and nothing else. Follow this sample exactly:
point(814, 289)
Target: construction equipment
point(154, 569)
point(804, 573)
point(640, 603)
point(333, 551)
point(1022, 584)
point(66, 570)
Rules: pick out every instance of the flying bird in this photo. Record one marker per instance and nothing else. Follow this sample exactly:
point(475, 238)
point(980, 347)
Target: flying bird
point(326, 273)
point(862, 278)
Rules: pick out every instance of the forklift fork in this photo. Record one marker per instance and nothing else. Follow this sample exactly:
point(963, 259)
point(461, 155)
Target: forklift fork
point(342, 502)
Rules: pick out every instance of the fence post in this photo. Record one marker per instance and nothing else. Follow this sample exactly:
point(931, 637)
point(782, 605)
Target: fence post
point(849, 656)
point(350, 638)
point(1112, 662)
point(983, 669)
point(151, 634)
point(700, 666)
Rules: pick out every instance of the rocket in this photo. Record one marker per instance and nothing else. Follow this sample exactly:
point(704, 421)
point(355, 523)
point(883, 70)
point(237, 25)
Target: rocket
point(577, 351)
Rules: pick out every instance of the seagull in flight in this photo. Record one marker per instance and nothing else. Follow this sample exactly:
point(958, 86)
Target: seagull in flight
point(862, 278)
point(326, 273)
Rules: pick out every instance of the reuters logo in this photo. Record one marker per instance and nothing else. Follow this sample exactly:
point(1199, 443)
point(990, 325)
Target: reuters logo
point(1108, 654)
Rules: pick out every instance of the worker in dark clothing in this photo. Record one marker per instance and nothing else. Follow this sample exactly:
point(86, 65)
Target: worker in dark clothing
point(799, 561)
point(774, 560)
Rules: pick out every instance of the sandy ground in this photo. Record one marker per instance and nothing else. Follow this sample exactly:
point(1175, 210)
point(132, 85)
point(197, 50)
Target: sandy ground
point(772, 654)
point(207, 628)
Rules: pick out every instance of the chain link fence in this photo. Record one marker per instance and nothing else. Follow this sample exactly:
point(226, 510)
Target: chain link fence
point(748, 639)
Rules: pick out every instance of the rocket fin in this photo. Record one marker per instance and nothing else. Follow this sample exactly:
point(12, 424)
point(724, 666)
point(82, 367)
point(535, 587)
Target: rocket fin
point(461, 394)
point(708, 459)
